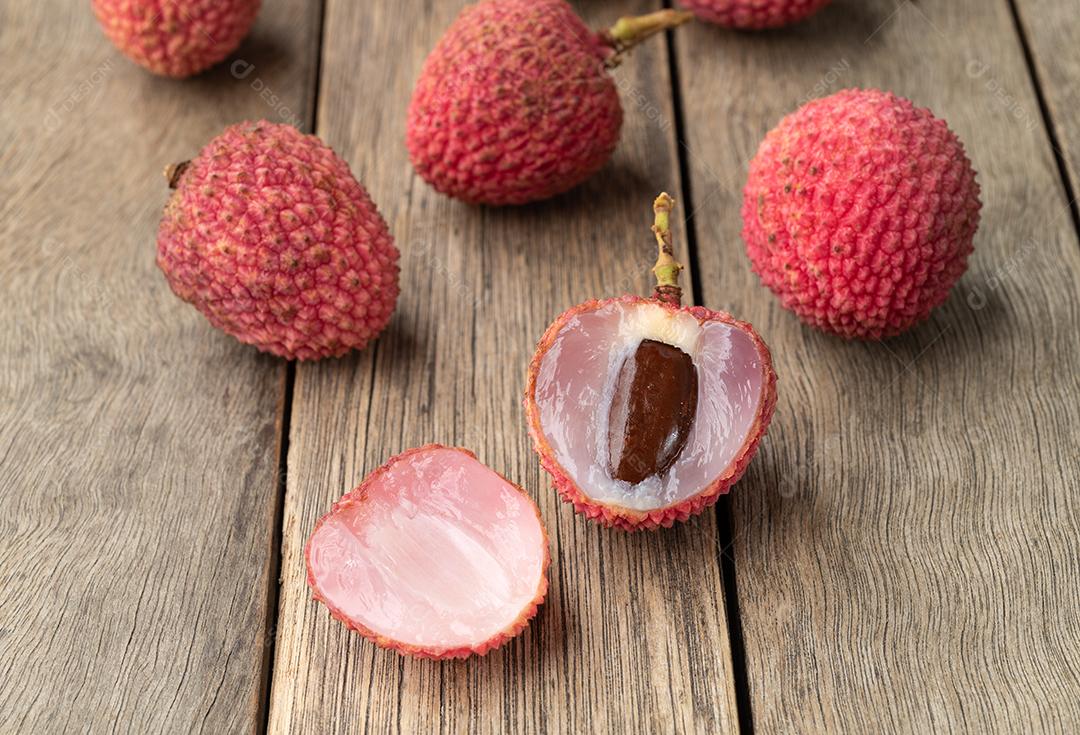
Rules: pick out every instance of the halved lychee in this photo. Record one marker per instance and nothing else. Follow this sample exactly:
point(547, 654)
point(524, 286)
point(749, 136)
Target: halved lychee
point(433, 555)
point(644, 411)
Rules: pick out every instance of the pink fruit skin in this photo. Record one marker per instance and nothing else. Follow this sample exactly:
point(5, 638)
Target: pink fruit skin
point(271, 238)
point(176, 38)
point(753, 14)
point(481, 648)
point(859, 212)
point(513, 105)
point(629, 519)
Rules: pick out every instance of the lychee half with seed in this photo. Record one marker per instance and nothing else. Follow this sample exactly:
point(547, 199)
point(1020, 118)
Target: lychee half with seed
point(753, 14)
point(859, 212)
point(644, 411)
point(176, 38)
point(515, 103)
point(433, 555)
point(269, 236)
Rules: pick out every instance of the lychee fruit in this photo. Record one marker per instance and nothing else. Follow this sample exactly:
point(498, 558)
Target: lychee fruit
point(643, 411)
point(176, 38)
point(753, 14)
point(433, 555)
point(270, 237)
point(515, 103)
point(859, 213)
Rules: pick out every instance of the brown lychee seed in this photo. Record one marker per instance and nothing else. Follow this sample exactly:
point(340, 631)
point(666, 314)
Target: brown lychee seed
point(651, 412)
point(645, 411)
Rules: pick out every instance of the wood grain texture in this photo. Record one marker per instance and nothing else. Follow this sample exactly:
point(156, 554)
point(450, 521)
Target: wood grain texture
point(906, 543)
point(138, 445)
point(1053, 40)
point(633, 634)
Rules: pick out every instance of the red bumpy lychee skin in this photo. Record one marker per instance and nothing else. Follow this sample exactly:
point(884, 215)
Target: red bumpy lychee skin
point(176, 38)
point(753, 14)
point(859, 213)
point(271, 238)
point(515, 105)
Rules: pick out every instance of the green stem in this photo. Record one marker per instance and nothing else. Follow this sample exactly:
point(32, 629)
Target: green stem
point(667, 268)
point(632, 30)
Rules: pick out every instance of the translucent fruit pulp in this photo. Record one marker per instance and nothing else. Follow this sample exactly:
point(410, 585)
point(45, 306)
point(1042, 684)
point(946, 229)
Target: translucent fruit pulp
point(434, 551)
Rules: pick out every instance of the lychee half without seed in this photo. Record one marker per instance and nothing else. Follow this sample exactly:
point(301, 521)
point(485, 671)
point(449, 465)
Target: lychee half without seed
point(176, 38)
point(753, 14)
point(860, 212)
point(515, 104)
point(433, 555)
point(644, 411)
point(271, 238)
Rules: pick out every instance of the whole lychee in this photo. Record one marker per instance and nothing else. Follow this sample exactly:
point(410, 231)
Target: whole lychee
point(515, 104)
point(270, 237)
point(176, 38)
point(859, 213)
point(753, 14)
point(433, 555)
point(643, 411)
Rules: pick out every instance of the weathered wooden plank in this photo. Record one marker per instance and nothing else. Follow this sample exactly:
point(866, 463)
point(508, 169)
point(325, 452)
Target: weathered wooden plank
point(1053, 40)
point(906, 542)
point(138, 445)
point(633, 635)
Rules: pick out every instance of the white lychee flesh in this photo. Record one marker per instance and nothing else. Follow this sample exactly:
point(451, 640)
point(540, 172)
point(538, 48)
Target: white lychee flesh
point(434, 553)
point(576, 382)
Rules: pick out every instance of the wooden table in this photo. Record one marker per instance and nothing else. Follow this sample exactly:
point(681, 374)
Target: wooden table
point(903, 554)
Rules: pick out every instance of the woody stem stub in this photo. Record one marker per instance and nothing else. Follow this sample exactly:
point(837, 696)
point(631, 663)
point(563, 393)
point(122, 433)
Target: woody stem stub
point(667, 268)
point(174, 171)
